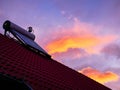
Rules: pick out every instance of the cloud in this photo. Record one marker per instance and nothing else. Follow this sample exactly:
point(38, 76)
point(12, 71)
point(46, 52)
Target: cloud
point(112, 49)
point(98, 12)
point(101, 77)
point(114, 85)
point(79, 59)
point(86, 42)
point(73, 53)
point(64, 43)
point(80, 35)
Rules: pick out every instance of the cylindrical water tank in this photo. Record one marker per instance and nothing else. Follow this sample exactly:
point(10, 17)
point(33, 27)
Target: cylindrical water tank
point(8, 25)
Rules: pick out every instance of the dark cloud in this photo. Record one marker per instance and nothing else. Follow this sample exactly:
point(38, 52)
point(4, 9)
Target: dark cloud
point(112, 50)
point(78, 59)
point(73, 53)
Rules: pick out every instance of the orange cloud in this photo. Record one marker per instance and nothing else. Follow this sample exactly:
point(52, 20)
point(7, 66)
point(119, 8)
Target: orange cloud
point(86, 42)
point(101, 77)
point(80, 35)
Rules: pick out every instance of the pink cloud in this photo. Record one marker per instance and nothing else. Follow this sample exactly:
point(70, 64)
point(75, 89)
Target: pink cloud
point(80, 35)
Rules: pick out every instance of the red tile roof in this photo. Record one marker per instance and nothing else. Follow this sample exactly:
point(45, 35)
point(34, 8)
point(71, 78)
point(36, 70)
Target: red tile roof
point(40, 72)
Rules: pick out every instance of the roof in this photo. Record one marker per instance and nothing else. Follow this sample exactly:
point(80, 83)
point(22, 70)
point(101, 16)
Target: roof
point(40, 72)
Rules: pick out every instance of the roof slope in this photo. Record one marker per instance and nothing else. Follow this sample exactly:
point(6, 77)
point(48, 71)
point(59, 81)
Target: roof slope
point(40, 72)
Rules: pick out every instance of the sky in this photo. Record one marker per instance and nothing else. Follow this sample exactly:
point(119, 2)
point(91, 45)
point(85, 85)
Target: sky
point(81, 34)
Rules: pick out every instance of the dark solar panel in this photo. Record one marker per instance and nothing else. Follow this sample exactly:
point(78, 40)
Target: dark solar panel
point(27, 41)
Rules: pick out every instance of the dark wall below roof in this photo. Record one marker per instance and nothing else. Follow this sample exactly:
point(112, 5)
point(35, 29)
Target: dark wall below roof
point(39, 72)
point(7, 82)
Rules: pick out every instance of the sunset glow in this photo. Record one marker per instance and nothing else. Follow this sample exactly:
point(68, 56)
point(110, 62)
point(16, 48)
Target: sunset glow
point(101, 77)
point(77, 33)
point(85, 42)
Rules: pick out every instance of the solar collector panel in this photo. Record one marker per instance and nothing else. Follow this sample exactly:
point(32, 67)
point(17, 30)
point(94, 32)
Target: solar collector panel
point(24, 37)
point(28, 42)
